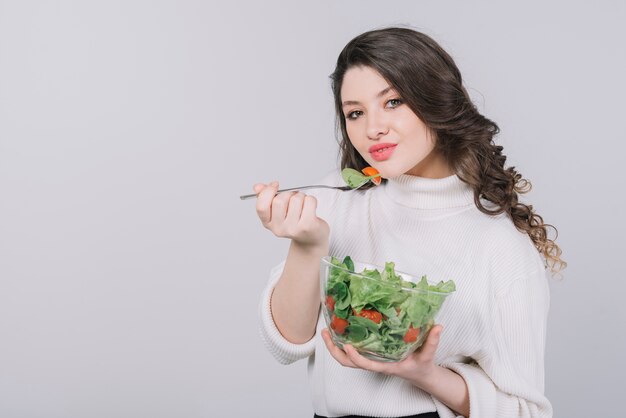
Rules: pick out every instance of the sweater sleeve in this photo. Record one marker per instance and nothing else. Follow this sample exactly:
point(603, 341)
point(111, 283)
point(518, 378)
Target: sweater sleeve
point(283, 350)
point(507, 379)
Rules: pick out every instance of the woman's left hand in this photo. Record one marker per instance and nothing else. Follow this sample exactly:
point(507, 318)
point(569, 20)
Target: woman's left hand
point(417, 368)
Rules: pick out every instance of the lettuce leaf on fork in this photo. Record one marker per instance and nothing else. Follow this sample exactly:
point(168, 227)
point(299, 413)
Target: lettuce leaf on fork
point(356, 179)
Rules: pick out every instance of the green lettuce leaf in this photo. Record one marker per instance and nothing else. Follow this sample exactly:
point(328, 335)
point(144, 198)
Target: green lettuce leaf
point(354, 178)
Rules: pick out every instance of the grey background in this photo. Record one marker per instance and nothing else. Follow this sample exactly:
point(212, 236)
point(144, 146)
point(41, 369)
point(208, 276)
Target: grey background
point(130, 271)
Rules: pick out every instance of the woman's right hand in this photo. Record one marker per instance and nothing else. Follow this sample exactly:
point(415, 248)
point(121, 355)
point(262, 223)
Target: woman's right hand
point(291, 215)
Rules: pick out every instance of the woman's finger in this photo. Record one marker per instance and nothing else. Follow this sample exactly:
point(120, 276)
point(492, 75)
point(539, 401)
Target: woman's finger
point(429, 348)
point(264, 202)
point(337, 353)
point(294, 211)
point(280, 204)
point(309, 207)
point(258, 187)
point(365, 363)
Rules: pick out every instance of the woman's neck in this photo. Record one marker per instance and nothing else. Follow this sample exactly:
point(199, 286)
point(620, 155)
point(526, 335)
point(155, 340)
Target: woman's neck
point(433, 166)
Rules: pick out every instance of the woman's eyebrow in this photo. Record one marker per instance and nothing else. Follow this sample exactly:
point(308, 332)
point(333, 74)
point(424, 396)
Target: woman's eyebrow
point(353, 102)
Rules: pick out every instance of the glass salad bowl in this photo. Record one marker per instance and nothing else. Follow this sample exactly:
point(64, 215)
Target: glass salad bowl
point(384, 314)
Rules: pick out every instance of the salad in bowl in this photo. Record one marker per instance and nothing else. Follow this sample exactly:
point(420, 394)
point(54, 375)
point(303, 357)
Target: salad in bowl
point(384, 314)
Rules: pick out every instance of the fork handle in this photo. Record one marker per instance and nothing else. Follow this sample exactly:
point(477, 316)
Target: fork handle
point(318, 186)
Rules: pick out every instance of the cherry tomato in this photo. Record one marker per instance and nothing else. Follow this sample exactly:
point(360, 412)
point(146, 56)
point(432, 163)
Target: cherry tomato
point(371, 171)
point(330, 303)
point(411, 335)
point(371, 314)
point(338, 324)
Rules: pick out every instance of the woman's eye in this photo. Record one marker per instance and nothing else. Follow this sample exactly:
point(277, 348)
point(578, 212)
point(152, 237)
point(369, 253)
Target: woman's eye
point(397, 101)
point(353, 115)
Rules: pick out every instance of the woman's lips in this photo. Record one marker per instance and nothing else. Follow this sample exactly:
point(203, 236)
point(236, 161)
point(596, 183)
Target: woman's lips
point(381, 152)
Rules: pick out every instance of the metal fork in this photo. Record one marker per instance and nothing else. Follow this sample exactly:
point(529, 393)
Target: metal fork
point(318, 186)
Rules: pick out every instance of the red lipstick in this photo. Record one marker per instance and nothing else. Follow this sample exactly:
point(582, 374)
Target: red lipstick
point(381, 152)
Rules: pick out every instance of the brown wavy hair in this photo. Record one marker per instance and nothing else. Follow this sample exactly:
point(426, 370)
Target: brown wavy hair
point(430, 83)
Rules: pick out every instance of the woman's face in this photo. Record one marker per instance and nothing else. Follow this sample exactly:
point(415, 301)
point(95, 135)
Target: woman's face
point(384, 130)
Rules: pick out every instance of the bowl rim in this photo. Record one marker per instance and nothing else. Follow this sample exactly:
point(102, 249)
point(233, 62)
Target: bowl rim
point(327, 260)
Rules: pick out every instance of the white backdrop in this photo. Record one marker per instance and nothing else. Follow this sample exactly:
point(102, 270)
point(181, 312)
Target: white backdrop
point(130, 272)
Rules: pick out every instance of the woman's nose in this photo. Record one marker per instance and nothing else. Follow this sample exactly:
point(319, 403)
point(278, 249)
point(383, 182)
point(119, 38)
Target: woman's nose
point(377, 125)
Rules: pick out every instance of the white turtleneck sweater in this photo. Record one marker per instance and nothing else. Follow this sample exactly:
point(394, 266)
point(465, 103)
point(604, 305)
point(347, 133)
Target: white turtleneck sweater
point(494, 324)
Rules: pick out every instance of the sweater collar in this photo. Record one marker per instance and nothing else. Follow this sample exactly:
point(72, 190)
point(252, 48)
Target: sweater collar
point(427, 193)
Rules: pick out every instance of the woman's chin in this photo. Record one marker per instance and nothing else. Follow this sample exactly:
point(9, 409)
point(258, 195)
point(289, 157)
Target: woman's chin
point(389, 173)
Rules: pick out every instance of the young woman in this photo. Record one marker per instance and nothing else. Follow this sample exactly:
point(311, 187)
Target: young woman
point(447, 208)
